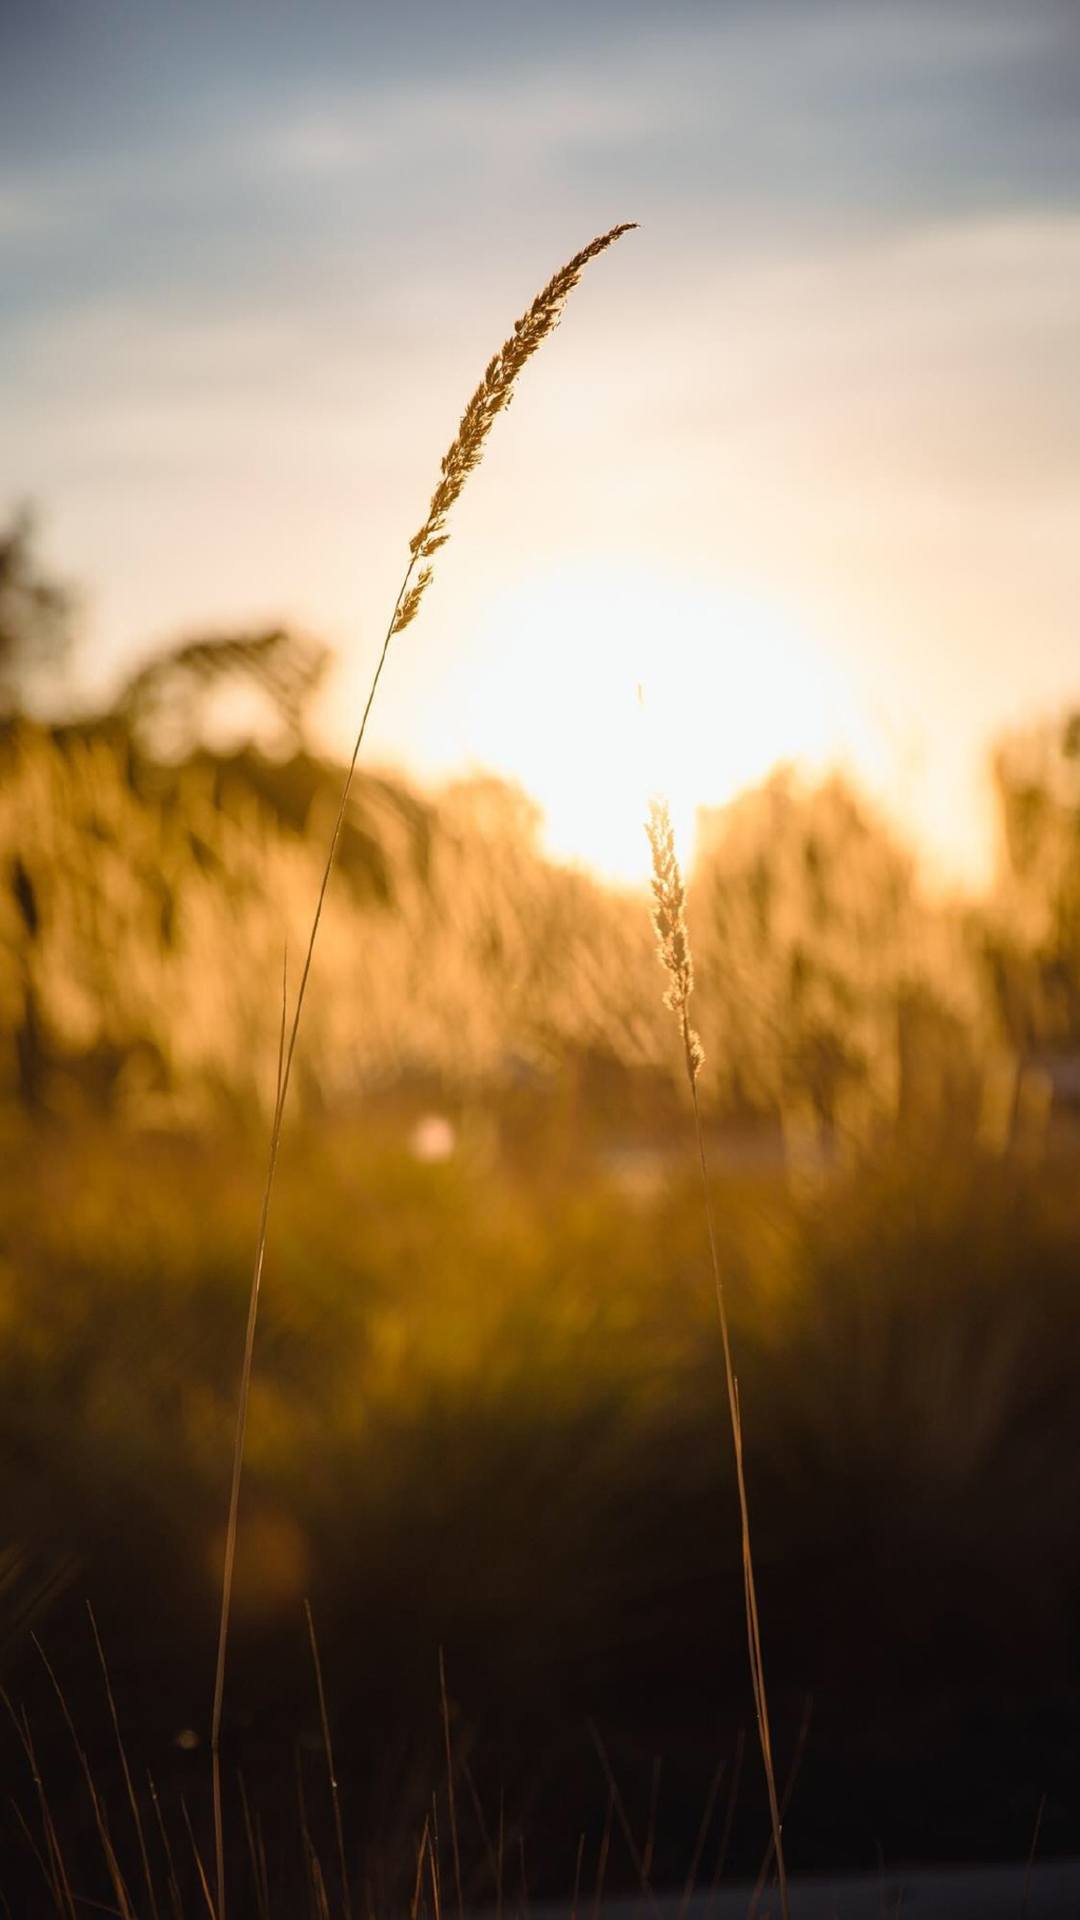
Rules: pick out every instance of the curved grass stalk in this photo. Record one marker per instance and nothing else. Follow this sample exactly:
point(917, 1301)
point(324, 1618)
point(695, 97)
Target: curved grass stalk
point(673, 947)
point(462, 457)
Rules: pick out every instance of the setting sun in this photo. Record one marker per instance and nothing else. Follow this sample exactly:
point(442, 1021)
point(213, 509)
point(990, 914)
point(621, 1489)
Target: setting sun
point(595, 686)
point(539, 959)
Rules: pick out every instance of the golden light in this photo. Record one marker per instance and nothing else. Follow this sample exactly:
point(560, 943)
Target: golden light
point(595, 687)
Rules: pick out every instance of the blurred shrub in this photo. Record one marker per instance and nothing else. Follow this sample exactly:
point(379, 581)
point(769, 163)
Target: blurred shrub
point(145, 906)
point(834, 993)
point(1032, 941)
point(487, 1416)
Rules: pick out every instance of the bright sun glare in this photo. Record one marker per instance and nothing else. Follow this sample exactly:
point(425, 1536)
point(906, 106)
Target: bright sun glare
point(595, 688)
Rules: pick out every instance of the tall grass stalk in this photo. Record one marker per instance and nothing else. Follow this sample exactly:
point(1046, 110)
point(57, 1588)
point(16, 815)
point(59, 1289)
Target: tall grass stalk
point(124, 1906)
point(673, 946)
point(53, 1868)
point(166, 1848)
point(461, 458)
point(450, 1794)
point(133, 1803)
point(335, 1797)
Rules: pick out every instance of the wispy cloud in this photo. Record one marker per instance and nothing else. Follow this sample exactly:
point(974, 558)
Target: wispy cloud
point(527, 117)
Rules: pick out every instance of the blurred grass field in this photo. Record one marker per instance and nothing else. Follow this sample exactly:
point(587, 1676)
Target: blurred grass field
point(487, 1413)
point(487, 1418)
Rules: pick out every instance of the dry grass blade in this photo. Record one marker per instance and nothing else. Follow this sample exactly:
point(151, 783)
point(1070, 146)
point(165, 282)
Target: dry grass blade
point(174, 1888)
point(199, 1867)
point(128, 1782)
point(310, 1860)
point(24, 1828)
point(785, 1799)
point(65, 1896)
point(421, 1855)
point(56, 1877)
point(35, 1851)
point(116, 1876)
point(624, 1819)
point(264, 1876)
point(339, 1834)
point(451, 1798)
point(705, 1823)
point(318, 1887)
point(258, 1875)
point(462, 457)
point(673, 942)
point(481, 1821)
point(433, 1863)
point(729, 1810)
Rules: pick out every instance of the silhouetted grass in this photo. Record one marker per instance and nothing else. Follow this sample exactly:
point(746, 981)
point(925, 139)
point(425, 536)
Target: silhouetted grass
point(673, 946)
point(464, 1434)
point(463, 456)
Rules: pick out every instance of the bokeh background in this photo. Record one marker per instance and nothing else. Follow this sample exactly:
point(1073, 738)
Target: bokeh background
point(781, 523)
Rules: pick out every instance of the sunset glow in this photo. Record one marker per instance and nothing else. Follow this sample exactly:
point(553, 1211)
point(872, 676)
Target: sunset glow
point(595, 687)
point(539, 958)
point(800, 462)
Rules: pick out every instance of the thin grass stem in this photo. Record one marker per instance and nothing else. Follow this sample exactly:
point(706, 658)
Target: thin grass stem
point(673, 949)
point(699, 1844)
point(339, 1833)
point(126, 1770)
point(450, 1794)
point(624, 1820)
point(174, 1885)
point(262, 1902)
point(729, 1809)
point(463, 456)
point(753, 1630)
point(421, 1852)
point(100, 1821)
point(199, 1867)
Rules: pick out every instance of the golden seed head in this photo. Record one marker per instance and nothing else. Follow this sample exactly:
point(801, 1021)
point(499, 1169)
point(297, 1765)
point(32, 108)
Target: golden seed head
point(669, 923)
point(495, 389)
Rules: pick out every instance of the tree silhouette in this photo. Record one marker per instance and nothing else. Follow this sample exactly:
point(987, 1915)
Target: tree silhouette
point(1034, 943)
point(167, 698)
point(36, 613)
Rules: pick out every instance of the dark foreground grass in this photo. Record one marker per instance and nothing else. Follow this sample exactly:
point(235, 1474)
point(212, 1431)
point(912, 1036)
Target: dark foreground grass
point(487, 1418)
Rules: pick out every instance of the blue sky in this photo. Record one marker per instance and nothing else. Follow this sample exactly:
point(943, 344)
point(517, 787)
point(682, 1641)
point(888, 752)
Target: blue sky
point(821, 413)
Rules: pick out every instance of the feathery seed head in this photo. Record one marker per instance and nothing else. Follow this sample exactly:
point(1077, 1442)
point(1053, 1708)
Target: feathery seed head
point(495, 390)
point(669, 923)
point(410, 601)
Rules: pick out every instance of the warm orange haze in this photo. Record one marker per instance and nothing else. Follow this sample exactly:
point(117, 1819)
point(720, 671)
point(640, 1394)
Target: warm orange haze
point(539, 961)
point(824, 435)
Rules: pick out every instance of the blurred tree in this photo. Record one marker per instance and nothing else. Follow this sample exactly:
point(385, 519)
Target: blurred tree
point(168, 701)
point(36, 614)
point(819, 961)
point(1033, 936)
